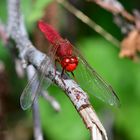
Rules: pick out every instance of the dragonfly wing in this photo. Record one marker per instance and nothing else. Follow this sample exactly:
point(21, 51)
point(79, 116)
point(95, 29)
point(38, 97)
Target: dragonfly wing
point(92, 82)
point(33, 88)
point(27, 95)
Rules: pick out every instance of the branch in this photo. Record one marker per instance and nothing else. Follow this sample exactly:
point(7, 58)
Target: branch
point(51, 100)
point(19, 69)
point(125, 20)
point(36, 58)
point(115, 7)
point(129, 25)
point(36, 121)
point(35, 110)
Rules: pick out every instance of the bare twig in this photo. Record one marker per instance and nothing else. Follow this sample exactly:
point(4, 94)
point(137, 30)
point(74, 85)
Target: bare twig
point(83, 106)
point(111, 5)
point(125, 20)
point(80, 15)
point(17, 32)
point(51, 100)
point(36, 122)
point(137, 18)
point(91, 119)
point(35, 109)
point(129, 25)
point(19, 69)
point(36, 58)
point(124, 25)
point(115, 7)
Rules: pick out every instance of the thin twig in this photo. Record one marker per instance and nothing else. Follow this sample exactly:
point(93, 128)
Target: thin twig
point(35, 110)
point(122, 18)
point(91, 119)
point(82, 105)
point(16, 30)
point(36, 122)
point(115, 7)
point(30, 54)
point(19, 69)
point(80, 15)
point(51, 100)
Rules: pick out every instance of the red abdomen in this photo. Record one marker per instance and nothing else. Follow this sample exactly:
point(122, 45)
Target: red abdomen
point(49, 32)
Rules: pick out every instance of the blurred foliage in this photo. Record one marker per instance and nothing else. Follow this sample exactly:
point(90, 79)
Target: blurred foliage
point(66, 124)
point(3, 10)
point(122, 74)
point(33, 10)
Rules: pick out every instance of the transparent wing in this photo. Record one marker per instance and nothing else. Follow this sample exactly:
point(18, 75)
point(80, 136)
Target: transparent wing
point(92, 82)
point(33, 89)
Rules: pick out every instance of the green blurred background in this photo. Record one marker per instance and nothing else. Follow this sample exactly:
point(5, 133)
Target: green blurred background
point(123, 74)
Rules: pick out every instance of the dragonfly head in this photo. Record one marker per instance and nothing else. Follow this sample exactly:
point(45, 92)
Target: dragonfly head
point(69, 63)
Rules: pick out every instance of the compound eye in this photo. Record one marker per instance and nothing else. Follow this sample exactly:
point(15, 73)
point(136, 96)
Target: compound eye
point(74, 60)
point(66, 60)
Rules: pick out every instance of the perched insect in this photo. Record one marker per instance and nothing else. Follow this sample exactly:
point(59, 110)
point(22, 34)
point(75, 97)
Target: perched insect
point(70, 59)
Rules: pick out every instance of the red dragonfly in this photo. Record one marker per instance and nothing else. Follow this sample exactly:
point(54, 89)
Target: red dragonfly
point(70, 59)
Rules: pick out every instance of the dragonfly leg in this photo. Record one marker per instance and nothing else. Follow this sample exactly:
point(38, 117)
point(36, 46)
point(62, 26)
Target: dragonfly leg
point(62, 73)
point(56, 60)
point(55, 66)
point(74, 76)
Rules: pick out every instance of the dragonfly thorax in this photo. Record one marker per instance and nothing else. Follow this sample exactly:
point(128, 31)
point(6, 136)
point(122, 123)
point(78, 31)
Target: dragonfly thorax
point(69, 63)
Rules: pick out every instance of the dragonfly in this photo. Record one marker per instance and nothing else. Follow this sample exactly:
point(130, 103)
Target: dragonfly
point(71, 61)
